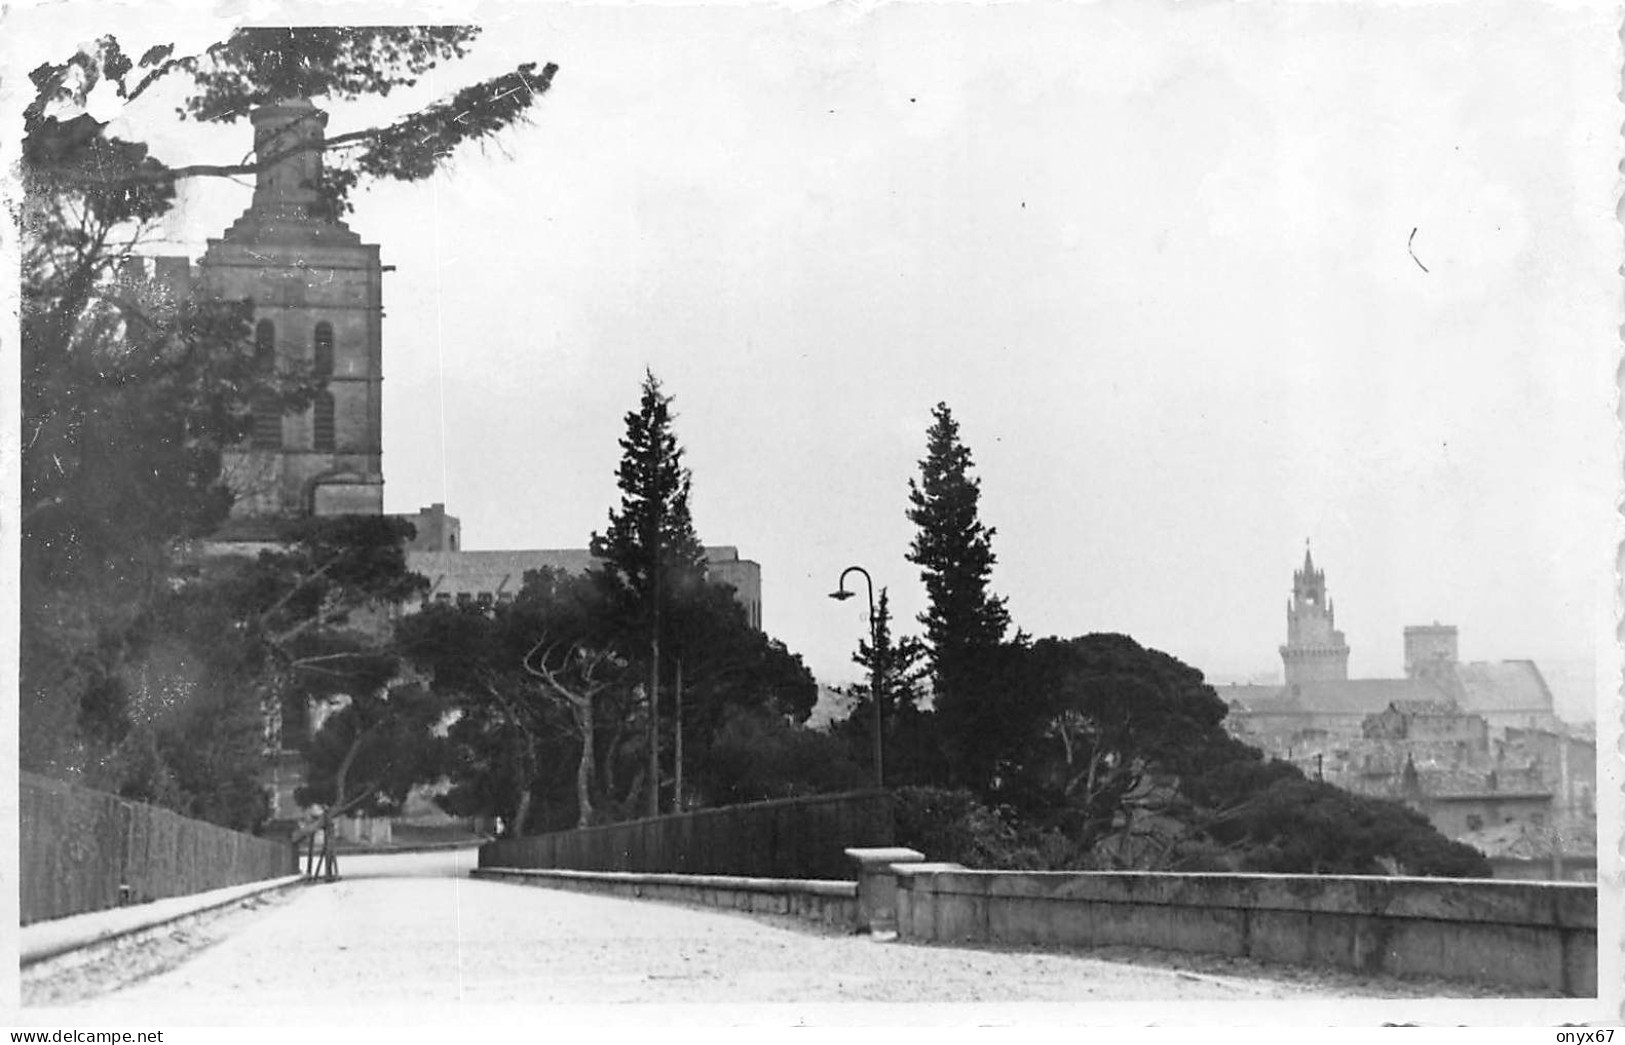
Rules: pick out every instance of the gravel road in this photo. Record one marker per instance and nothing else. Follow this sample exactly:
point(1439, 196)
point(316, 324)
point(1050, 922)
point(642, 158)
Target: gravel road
point(413, 929)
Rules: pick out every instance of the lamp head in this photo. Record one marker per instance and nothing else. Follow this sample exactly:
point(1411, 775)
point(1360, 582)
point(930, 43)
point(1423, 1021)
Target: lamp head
point(842, 595)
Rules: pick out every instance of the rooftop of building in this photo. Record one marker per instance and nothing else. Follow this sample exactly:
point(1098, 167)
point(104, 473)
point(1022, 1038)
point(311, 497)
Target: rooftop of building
point(1439, 708)
point(1506, 685)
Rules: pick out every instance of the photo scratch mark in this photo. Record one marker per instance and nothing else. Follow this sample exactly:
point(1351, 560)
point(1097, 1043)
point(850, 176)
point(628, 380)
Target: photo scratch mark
point(1409, 246)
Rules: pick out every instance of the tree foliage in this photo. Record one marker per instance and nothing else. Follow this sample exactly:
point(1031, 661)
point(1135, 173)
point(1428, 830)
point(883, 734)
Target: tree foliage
point(254, 66)
point(965, 623)
point(541, 682)
point(650, 550)
point(1112, 755)
point(1112, 718)
point(758, 755)
point(912, 748)
point(522, 674)
point(954, 551)
point(897, 663)
point(1265, 816)
point(650, 553)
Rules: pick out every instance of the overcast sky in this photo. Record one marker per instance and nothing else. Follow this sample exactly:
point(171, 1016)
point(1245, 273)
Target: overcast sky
point(1159, 261)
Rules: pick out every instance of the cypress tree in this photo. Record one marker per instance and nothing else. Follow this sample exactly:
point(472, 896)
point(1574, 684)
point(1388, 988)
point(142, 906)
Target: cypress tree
point(964, 622)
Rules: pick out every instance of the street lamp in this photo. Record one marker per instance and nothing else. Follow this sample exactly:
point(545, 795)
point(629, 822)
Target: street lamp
point(840, 594)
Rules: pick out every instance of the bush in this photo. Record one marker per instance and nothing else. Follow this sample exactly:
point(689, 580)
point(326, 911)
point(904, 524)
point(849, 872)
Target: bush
point(757, 755)
point(954, 825)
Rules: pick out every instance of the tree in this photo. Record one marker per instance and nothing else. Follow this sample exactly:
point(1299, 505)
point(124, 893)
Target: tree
point(307, 623)
point(964, 623)
point(907, 731)
point(756, 755)
point(520, 675)
point(898, 664)
point(1264, 815)
point(650, 551)
point(727, 668)
point(72, 155)
point(1121, 752)
point(1109, 723)
point(128, 398)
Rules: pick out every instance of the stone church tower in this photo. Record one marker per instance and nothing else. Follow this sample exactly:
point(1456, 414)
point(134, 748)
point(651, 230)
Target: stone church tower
point(1314, 650)
point(318, 306)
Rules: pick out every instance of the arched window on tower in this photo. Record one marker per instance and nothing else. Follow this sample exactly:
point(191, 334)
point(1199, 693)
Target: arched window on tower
point(265, 344)
point(267, 431)
point(322, 421)
point(324, 349)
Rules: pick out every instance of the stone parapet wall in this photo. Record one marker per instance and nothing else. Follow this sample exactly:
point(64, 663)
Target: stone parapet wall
point(1539, 938)
point(828, 902)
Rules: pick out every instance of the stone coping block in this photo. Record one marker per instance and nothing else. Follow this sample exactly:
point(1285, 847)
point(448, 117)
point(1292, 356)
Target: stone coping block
point(809, 886)
point(1563, 905)
point(884, 855)
point(877, 887)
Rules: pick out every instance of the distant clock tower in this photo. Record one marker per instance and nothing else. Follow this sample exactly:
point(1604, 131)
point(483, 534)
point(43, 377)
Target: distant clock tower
point(1314, 650)
point(318, 304)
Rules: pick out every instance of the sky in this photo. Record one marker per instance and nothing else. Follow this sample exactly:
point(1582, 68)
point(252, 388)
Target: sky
point(1200, 282)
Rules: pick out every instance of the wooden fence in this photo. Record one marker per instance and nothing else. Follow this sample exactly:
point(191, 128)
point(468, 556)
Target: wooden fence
point(786, 838)
point(82, 850)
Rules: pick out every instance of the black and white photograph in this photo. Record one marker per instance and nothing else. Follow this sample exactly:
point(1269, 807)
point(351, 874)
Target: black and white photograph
point(851, 514)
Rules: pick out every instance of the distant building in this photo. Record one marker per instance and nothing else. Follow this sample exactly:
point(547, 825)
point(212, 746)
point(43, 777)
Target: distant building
point(1475, 747)
point(1319, 695)
point(490, 577)
point(1314, 650)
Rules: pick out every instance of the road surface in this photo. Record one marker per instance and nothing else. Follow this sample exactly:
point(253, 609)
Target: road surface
point(412, 934)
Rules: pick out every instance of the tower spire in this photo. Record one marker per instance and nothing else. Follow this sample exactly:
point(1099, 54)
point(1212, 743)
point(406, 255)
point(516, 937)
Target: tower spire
point(1315, 650)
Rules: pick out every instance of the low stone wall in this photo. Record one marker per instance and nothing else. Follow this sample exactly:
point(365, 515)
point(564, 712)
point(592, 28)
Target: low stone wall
point(1526, 936)
point(817, 900)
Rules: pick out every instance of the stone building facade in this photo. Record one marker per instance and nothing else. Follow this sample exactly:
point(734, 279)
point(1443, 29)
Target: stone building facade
point(318, 309)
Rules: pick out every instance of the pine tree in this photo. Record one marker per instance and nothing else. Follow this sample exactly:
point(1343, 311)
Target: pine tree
point(650, 551)
point(894, 669)
point(964, 623)
point(897, 663)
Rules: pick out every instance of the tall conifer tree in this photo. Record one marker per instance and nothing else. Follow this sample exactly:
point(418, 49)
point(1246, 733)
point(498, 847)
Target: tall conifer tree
point(964, 623)
point(650, 551)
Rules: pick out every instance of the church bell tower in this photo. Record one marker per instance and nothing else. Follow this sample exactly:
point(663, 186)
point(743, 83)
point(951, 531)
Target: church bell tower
point(318, 309)
point(1314, 650)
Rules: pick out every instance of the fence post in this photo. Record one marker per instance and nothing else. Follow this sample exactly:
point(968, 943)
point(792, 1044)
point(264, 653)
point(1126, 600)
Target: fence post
point(126, 821)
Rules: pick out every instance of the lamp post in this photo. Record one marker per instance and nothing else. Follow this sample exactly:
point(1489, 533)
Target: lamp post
point(840, 594)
